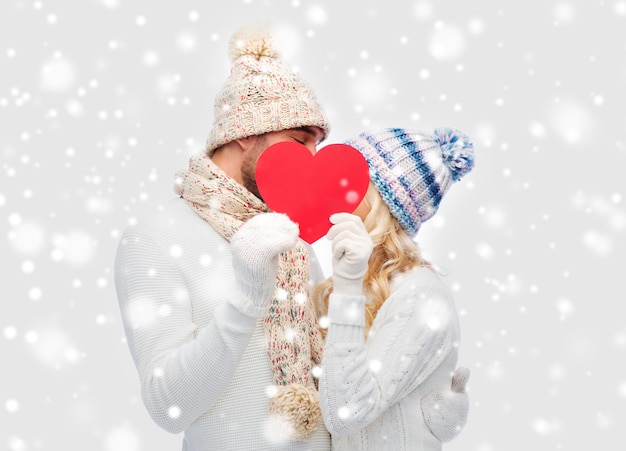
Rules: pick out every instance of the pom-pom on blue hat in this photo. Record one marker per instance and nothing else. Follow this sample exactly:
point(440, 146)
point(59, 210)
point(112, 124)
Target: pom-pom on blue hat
point(412, 170)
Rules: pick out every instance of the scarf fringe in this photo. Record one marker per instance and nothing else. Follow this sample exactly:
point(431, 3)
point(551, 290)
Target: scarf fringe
point(296, 409)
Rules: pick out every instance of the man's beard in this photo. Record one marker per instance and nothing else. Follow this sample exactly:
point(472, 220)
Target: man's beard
point(248, 166)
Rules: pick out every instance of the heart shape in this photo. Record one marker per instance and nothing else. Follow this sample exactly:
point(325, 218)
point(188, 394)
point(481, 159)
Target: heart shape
point(310, 188)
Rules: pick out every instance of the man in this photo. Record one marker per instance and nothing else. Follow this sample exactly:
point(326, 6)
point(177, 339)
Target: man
point(194, 294)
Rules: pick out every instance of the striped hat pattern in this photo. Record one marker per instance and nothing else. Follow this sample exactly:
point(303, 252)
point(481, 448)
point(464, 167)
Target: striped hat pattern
point(412, 170)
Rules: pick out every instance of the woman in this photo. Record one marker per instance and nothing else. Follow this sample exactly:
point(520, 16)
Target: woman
point(393, 331)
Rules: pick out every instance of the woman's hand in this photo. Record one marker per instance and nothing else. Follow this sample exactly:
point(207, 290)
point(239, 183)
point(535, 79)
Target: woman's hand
point(351, 249)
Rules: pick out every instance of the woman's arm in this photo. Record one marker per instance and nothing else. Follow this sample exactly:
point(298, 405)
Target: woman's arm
point(361, 380)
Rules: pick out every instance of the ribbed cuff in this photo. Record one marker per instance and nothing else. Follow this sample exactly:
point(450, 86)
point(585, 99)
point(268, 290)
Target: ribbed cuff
point(351, 287)
point(346, 309)
point(245, 305)
point(346, 314)
point(234, 319)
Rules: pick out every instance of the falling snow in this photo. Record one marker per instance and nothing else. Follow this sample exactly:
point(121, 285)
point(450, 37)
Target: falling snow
point(102, 102)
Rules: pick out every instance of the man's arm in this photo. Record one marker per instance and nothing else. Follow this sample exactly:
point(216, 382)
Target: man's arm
point(183, 370)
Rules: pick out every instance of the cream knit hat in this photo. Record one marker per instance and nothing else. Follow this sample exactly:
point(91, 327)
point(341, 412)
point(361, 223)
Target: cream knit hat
point(262, 93)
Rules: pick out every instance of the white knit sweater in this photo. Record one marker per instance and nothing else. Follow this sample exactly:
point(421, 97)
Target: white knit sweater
point(203, 366)
point(371, 389)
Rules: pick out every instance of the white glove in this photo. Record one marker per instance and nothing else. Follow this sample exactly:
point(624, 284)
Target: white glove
point(255, 248)
point(351, 249)
point(445, 412)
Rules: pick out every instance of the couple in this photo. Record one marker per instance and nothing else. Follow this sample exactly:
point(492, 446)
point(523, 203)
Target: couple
point(222, 302)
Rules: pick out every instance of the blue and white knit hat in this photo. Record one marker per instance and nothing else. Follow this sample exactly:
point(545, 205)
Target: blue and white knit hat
point(412, 170)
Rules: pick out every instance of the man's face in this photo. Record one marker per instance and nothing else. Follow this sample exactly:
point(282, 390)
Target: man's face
point(309, 137)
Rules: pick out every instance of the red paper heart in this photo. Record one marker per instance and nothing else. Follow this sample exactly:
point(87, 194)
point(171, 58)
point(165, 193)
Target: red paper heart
point(310, 188)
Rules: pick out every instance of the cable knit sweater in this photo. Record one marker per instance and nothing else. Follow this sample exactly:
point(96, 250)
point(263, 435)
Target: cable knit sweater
point(371, 389)
point(203, 366)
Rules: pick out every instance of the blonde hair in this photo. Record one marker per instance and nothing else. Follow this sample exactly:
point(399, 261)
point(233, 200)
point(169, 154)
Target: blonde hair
point(394, 251)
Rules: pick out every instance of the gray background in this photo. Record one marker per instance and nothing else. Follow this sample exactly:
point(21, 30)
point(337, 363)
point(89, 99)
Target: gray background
point(101, 101)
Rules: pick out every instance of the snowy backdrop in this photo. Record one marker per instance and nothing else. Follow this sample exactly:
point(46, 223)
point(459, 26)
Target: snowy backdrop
point(101, 101)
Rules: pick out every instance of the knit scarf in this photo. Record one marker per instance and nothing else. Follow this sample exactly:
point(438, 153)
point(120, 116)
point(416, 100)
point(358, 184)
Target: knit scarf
point(294, 342)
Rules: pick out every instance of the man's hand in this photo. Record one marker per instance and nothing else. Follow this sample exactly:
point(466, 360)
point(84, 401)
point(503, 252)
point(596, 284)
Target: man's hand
point(255, 248)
